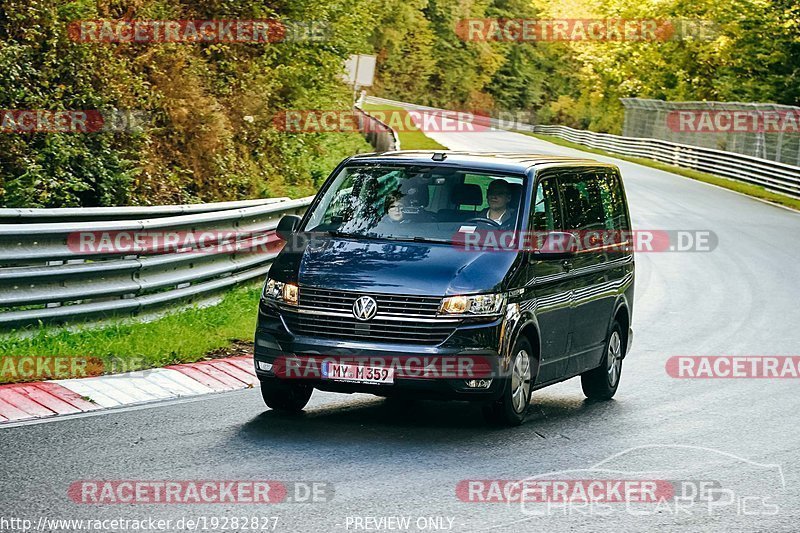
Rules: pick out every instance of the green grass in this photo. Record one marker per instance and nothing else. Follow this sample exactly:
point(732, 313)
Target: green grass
point(179, 337)
point(409, 140)
point(738, 186)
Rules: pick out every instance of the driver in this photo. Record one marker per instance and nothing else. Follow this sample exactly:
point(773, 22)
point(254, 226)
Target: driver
point(499, 196)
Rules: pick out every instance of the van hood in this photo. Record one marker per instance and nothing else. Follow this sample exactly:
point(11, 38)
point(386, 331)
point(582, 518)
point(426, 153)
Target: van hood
point(393, 267)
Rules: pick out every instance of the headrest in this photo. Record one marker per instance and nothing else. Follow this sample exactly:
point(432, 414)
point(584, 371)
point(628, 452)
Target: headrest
point(415, 193)
point(467, 194)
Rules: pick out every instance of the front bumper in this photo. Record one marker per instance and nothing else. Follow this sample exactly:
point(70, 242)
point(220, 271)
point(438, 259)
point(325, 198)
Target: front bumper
point(472, 341)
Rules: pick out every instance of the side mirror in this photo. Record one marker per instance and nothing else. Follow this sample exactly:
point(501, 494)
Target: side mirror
point(286, 226)
point(555, 245)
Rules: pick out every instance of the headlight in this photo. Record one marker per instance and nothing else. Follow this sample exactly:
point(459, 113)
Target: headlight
point(479, 304)
point(287, 293)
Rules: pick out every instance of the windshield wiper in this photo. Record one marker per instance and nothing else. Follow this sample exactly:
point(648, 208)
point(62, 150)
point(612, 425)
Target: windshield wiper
point(428, 239)
point(336, 233)
point(418, 239)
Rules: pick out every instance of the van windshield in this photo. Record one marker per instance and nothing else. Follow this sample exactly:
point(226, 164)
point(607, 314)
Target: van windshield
point(425, 203)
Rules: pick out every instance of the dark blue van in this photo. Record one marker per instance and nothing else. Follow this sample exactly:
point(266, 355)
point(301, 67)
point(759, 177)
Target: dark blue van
point(467, 276)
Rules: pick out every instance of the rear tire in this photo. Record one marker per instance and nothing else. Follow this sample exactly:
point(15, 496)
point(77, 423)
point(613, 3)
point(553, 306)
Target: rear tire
point(601, 383)
point(282, 396)
point(511, 408)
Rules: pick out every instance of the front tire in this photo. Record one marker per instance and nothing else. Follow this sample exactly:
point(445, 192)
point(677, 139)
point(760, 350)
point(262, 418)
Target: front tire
point(511, 408)
point(601, 383)
point(282, 396)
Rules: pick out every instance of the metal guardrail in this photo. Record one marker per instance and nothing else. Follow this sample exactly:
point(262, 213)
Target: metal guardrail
point(47, 276)
point(771, 175)
point(774, 176)
point(79, 214)
point(766, 131)
point(379, 135)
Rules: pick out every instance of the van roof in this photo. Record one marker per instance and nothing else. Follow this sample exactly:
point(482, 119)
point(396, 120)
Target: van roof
point(496, 161)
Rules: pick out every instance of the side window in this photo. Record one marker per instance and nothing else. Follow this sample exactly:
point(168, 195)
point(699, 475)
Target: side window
point(583, 201)
point(613, 201)
point(546, 211)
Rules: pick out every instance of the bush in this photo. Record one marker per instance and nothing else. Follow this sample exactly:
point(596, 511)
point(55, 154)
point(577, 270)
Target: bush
point(209, 134)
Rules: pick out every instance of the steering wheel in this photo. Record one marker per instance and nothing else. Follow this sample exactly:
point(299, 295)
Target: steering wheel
point(485, 220)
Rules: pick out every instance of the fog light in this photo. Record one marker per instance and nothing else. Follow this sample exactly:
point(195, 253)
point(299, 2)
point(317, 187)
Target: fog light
point(266, 367)
point(479, 383)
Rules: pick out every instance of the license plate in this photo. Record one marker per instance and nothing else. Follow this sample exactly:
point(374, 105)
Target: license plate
point(357, 373)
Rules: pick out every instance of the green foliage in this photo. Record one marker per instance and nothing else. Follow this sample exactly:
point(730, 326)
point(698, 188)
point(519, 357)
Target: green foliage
point(753, 56)
point(210, 133)
point(750, 54)
point(422, 57)
point(211, 107)
point(404, 46)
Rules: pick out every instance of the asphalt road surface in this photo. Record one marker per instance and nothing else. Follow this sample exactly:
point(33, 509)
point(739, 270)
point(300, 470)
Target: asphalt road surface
point(400, 459)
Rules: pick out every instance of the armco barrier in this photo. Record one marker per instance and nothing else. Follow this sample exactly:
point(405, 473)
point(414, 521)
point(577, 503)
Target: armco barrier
point(771, 175)
point(80, 214)
point(45, 277)
point(379, 135)
point(774, 176)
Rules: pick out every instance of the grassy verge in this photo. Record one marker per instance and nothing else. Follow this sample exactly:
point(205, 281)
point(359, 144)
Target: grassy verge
point(180, 337)
point(738, 186)
point(414, 139)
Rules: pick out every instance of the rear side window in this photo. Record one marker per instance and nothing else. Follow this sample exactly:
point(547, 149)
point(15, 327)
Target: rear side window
point(593, 201)
point(613, 202)
point(546, 212)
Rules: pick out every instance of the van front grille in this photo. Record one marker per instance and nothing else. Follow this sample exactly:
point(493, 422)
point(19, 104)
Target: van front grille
point(403, 319)
point(388, 304)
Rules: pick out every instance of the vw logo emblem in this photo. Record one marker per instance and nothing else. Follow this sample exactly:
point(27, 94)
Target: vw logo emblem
point(364, 308)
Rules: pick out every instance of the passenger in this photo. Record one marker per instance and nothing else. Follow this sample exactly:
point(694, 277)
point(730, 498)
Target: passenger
point(394, 210)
